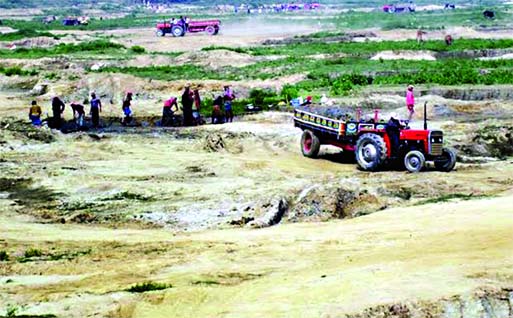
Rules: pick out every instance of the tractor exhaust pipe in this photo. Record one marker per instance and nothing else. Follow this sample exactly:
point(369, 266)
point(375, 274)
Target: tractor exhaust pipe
point(425, 116)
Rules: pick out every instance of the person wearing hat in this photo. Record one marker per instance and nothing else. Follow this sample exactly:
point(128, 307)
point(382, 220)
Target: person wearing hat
point(410, 102)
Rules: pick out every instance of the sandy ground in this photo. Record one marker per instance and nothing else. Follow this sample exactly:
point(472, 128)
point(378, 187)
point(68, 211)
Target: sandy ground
point(455, 32)
point(295, 270)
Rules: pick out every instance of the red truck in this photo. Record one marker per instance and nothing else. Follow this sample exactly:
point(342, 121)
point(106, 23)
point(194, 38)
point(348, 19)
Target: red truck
point(211, 27)
point(371, 142)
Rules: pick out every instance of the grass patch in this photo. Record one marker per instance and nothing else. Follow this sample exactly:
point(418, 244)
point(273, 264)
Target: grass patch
point(25, 34)
point(4, 256)
point(95, 47)
point(33, 252)
point(16, 70)
point(126, 195)
point(147, 286)
point(452, 196)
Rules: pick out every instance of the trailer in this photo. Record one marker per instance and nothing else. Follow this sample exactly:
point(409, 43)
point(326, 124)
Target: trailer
point(211, 27)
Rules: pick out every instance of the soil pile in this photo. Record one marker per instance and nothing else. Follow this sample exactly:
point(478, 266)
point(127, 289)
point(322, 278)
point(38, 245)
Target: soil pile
point(491, 141)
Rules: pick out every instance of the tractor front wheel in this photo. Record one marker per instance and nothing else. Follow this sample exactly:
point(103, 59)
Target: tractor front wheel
point(160, 32)
point(371, 152)
point(414, 161)
point(447, 161)
point(310, 144)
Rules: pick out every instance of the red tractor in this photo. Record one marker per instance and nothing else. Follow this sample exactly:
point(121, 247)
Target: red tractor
point(372, 143)
point(211, 27)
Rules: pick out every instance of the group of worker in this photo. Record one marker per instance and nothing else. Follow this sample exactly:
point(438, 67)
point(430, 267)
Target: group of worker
point(58, 107)
point(222, 110)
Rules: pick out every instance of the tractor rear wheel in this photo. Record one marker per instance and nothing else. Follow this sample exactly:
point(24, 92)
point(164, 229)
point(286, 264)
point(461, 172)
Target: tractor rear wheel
point(371, 152)
point(310, 144)
point(447, 161)
point(177, 30)
point(414, 161)
point(211, 30)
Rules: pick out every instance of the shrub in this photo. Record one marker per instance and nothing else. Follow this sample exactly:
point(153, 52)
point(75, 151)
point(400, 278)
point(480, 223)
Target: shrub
point(289, 92)
point(137, 49)
point(258, 96)
point(148, 286)
point(4, 256)
point(33, 252)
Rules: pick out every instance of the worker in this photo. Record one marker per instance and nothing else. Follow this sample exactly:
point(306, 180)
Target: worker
point(35, 114)
point(308, 101)
point(420, 36)
point(186, 21)
point(217, 117)
point(168, 114)
point(187, 101)
point(127, 102)
point(96, 109)
point(393, 131)
point(448, 39)
point(324, 99)
point(228, 96)
point(78, 113)
point(58, 107)
point(196, 106)
point(410, 102)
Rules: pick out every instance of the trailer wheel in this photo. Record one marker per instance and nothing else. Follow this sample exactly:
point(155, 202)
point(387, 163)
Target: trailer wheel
point(371, 152)
point(211, 30)
point(160, 32)
point(447, 161)
point(414, 161)
point(310, 144)
point(177, 30)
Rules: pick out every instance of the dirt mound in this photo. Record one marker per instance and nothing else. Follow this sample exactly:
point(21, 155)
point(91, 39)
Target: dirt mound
point(490, 141)
point(25, 130)
point(216, 58)
point(405, 55)
point(320, 203)
point(222, 142)
point(150, 60)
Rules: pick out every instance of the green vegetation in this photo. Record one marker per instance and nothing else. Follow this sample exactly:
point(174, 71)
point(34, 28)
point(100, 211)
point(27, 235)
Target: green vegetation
point(93, 47)
point(137, 49)
point(25, 33)
point(16, 70)
point(452, 196)
point(148, 286)
point(33, 252)
point(4, 256)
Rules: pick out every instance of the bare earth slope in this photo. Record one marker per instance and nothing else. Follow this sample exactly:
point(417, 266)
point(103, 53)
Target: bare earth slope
point(403, 255)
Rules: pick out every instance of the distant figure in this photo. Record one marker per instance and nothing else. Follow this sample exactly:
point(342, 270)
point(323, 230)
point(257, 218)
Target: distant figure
point(217, 116)
point(489, 14)
point(187, 101)
point(127, 102)
point(186, 23)
point(35, 114)
point(96, 108)
point(420, 36)
point(324, 99)
point(410, 102)
point(78, 113)
point(228, 96)
point(58, 107)
point(196, 106)
point(448, 39)
point(168, 114)
point(308, 101)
